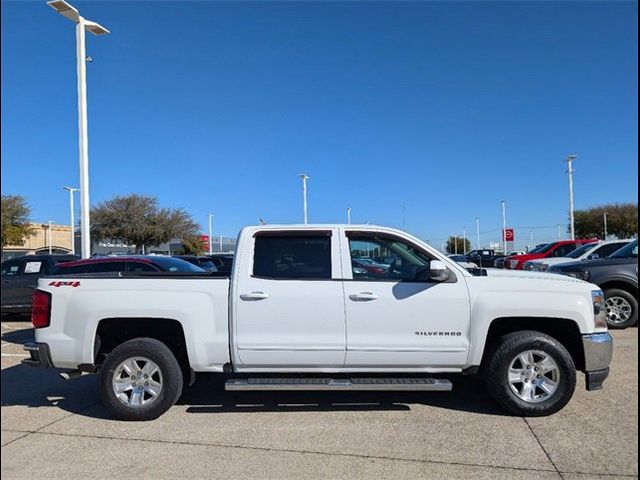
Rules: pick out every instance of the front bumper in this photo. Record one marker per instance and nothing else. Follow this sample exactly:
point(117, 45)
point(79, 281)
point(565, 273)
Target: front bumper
point(40, 355)
point(598, 351)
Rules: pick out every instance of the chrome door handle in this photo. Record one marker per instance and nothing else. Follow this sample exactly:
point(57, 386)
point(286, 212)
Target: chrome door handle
point(363, 297)
point(253, 296)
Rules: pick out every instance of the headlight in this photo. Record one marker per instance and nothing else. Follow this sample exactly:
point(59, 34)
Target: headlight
point(543, 267)
point(528, 266)
point(513, 263)
point(599, 308)
point(579, 275)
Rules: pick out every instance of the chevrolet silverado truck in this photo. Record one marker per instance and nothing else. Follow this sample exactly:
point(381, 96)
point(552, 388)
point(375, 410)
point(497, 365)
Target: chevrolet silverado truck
point(295, 315)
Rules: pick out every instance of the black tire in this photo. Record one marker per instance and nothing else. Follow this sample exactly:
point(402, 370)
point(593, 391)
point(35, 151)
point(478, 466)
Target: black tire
point(172, 379)
point(497, 368)
point(623, 294)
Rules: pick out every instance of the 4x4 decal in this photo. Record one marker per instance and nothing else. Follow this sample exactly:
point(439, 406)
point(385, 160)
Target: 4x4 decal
point(64, 284)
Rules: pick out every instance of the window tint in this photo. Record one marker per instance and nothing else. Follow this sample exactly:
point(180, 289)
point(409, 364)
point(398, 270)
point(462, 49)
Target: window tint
point(292, 257)
point(141, 267)
point(72, 270)
point(12, 267)
point(105, 267)
point(607, 250)
point(564, 250)
point(628, 251)
point(393, 259)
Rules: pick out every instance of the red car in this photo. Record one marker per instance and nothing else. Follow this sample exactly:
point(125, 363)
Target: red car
point(127, 264)
point(555, 249)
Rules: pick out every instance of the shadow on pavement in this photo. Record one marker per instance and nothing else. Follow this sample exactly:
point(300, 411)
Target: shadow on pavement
point(208, 396)
point(18, 336)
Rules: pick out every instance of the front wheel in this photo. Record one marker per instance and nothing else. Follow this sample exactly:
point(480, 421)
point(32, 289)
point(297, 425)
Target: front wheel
point(530, 374)
point(140, 380)
point(622, 308)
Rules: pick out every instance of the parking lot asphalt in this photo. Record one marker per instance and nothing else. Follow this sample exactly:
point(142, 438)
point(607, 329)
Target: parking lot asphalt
point(53, 428)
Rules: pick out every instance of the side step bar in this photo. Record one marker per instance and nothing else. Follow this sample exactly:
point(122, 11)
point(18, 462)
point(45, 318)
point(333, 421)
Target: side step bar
point(350, 384)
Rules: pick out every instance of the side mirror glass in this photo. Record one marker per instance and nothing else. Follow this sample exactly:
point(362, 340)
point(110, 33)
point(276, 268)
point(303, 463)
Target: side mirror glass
point(593, 256)
point(438, 271)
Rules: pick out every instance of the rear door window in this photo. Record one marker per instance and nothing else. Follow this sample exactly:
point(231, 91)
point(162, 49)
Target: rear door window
point(606, 250)
point(134, 267)
point(292, 257)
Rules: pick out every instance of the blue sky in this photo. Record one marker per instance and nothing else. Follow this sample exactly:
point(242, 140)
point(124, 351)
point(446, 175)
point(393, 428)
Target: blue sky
point(444, 108)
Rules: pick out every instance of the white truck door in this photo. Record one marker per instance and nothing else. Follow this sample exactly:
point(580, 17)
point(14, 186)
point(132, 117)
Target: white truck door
point(289, 302)
point(395, 316)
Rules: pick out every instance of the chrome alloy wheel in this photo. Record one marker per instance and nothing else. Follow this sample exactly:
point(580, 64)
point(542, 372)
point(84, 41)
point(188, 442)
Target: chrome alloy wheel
point(619, 310)
point(533, 376)
point(137, 382)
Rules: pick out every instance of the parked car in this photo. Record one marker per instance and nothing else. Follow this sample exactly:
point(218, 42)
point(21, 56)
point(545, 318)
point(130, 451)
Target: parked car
point(20, 278)
point(588, 251)
point(483, 258)
point(206, 263)
point(127, 264)
point(462, 260)
point(293, 316)
point(617, 276)
point(370, 267)
point(556, 249)
point(222, 261)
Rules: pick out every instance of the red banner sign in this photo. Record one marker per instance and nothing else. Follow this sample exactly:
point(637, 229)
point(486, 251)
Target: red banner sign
point(509, 235)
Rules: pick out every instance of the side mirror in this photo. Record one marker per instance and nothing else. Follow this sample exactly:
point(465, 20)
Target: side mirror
point(593, 256)
point(438, 271)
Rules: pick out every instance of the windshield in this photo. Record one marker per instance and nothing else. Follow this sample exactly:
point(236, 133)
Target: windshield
point(580, 250)
point(541, 248)
point(169, 264)
point(628, 251)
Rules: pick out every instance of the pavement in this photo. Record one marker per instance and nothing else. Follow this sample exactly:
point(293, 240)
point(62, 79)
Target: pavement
point(58, 429)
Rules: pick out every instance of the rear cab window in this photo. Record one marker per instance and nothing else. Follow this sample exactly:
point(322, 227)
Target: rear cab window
point(293, 255)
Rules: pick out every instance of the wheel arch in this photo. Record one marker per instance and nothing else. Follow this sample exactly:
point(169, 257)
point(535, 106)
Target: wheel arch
point(565, 331)
point(111, 332)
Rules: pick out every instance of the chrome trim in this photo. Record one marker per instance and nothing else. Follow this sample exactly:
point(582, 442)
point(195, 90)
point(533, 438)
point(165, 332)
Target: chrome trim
point(598, 350)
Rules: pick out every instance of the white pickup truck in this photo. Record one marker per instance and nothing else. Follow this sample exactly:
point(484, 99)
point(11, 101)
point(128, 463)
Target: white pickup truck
point(297, 315)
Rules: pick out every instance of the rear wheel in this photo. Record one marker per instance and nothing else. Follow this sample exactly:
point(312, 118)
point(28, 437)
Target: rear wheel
point(530, 374)
point(622, 308)
point(140, 380)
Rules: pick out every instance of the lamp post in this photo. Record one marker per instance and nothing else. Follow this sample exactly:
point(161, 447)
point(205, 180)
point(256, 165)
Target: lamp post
point(570, 159)
point(211, 233)
point(464, 241)
point(72, 220)
point(50, 238)
point(504, 226)
point(71, 13)
point(349, 216)
point(605, 225)
point(478, 232)
point(304, 178)
point(559, 232)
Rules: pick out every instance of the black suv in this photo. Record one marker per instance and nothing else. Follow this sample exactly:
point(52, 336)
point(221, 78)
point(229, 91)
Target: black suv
point(20, 278)
point(484, 258)
point(617, 276)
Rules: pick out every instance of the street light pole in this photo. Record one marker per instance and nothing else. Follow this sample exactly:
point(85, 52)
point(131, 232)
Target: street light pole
point(464, 241)
point(50, 238)
point(72, 220)
point(559, 232)
point(504, 226)
point(211, 233)
point(605, 225)
point(478, 233)
point(304, 178)
point(68, 11)
point(349, 216)
point(570, 159)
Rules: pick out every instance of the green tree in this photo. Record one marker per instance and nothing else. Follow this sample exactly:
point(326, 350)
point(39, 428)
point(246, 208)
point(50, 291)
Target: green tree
point(137, 219)
point(622, 220)
point(457, 245)
point(194, 245)
point(15, 220)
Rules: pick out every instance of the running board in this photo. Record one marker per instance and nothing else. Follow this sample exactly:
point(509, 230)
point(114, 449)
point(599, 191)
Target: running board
point(350, 384)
